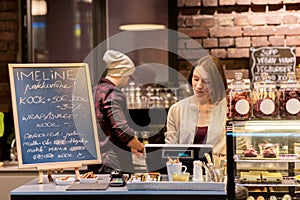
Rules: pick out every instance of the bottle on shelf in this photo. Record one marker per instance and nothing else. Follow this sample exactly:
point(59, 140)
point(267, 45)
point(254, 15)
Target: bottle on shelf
point(149, 97)
point(131, 95)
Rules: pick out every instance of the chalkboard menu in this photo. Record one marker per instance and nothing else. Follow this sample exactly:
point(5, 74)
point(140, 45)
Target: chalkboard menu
point(53, 114)
point(277, 61)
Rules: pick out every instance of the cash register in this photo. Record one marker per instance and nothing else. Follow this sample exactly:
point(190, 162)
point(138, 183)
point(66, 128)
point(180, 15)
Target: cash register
point(158, 154)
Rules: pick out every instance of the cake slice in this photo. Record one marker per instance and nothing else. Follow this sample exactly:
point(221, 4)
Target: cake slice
point(252, 177)
point(270, 177)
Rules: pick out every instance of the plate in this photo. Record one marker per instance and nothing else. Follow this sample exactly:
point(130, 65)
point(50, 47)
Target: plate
point(88, 180)
point(62, 181)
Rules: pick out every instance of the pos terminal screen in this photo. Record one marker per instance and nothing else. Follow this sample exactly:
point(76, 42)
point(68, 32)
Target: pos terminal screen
point(158, 154)
point(178, 153)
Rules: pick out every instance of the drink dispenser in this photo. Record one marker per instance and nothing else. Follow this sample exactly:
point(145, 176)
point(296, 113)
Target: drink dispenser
point(264, 98)
point(289, 94)
point(239, 99)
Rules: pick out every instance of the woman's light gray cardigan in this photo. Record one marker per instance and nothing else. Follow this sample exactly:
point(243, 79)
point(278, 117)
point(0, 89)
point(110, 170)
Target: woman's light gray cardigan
point(182, 122)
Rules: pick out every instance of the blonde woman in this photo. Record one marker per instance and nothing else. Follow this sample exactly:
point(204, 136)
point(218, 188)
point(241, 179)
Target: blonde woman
point(201, 118)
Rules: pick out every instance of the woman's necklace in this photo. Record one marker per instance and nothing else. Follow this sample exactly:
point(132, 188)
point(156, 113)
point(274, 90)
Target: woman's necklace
point(204, 115)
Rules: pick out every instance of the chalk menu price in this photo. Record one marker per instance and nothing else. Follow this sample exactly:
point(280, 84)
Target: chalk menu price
point(276, 61)
point(54, 113)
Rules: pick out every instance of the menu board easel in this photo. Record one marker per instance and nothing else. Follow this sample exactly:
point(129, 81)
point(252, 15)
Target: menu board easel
point(54, 116)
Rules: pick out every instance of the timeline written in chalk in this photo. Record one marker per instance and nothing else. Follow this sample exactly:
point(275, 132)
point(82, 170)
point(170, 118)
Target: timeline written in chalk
point(54, 114)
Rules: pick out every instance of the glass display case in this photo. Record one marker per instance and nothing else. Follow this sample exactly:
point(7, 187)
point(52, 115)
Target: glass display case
point(264, 157)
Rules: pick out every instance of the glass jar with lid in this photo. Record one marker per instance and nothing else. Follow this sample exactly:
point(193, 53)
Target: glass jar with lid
point(239, 99)
point(289, 96)
point(264, 98)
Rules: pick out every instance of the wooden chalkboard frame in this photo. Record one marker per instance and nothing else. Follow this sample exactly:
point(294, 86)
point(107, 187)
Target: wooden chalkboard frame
point(81, 67)
point(272, 53)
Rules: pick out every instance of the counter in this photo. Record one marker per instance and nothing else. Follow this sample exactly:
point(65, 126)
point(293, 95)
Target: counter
point(11, 177)
point(34, 191)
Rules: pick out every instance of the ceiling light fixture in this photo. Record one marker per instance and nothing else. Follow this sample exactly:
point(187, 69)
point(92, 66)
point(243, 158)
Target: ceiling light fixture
point(39, 7)
point(141, 27)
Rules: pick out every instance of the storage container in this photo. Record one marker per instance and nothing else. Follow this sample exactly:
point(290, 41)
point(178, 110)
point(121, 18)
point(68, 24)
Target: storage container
point(264, 98)
point(239, 99)
point(289, 96)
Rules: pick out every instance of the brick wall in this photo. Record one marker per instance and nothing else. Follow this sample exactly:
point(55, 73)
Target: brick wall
point(228, 28)
point(9, 27)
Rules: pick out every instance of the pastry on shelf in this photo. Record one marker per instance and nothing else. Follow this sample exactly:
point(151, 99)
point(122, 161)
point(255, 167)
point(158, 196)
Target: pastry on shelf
point(271, 177)
point(297, 178)
point(273, 197)
point(257, 189)
point(250, 177)
point(269, 152)
point(297, 149)
point(284, 149)
point(240, 145)
point(250, 152)
point(250, 198)
point(278, 189)
point(286, 197)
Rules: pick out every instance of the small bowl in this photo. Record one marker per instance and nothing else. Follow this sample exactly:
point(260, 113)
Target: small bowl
point(63, 181)
point(184, 176)
point(88, 180)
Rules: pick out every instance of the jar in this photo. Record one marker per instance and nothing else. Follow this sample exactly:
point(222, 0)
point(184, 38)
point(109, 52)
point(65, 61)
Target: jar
point(239, 99)
point(289, 96)
point(264, 98)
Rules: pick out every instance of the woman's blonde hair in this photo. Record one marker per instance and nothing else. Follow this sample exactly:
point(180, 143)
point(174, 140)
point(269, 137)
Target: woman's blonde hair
point(212, 66)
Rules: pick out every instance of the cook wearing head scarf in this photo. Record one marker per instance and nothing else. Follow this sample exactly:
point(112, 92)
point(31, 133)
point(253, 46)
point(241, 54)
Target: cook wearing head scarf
point(118, 64)
point(117, 138)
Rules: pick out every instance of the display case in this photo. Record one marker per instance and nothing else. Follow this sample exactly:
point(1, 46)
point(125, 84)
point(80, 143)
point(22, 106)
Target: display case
point(264, 156)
